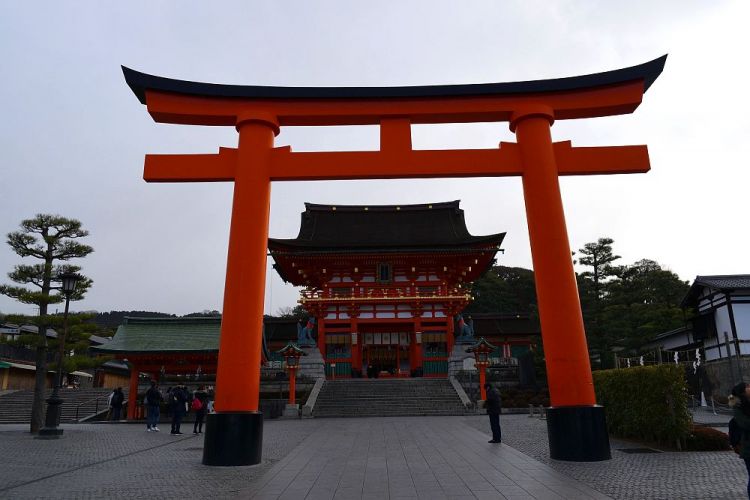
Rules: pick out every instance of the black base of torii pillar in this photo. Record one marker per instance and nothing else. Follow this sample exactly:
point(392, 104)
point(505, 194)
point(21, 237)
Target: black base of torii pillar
point(233, 439)
point(578, 433)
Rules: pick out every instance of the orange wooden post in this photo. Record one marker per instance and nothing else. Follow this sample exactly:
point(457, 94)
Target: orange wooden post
point(237, 425)
point(559, 307)
point(482, 392)
point(292, 385)
point(238, 372)
point(133, 392)
point(291, 354)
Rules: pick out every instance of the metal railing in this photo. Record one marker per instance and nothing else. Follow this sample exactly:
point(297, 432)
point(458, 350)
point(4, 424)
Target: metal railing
point(96, 405)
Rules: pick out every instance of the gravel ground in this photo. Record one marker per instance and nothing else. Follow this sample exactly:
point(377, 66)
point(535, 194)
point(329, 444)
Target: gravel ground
point(668, 475)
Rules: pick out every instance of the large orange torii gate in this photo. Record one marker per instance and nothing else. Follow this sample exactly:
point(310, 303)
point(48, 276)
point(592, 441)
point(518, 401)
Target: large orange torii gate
point(577, 428)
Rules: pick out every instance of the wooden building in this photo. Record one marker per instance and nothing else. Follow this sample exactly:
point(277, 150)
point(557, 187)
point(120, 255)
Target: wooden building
point(384, 283)
point(182, 349)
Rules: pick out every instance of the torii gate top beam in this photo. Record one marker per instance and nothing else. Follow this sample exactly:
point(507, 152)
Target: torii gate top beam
point(600, 94)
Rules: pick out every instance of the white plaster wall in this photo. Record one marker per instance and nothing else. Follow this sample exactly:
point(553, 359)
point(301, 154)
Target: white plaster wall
point(742, 320)
point(721, 320)
point(713, 354)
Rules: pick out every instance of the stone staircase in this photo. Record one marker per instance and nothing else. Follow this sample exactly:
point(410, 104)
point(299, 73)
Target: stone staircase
point(387, 398)
point(15, 407)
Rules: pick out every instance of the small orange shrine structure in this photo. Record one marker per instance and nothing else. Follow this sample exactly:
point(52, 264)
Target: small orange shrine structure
point(576, 424)
point(384, 283)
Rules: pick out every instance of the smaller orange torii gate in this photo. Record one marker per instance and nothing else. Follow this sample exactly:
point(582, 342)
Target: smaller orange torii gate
point(577, 428)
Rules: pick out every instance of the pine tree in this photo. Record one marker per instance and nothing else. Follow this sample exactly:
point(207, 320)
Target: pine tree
point(50, 239)
point(598, 257)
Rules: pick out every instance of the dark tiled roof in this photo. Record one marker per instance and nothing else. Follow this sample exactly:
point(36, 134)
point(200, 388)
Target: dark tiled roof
point(722, 282)
point(725, 282)
point(436, 226)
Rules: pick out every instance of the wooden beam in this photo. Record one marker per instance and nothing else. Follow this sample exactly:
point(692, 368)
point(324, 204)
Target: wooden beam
point(219, 167)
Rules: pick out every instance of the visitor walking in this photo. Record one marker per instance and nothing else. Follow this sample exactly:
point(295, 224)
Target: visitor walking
point(153, 399)
point(492, 404)
point(118, 398)
point(740, 401)
point(178, 402)
point(200, 407)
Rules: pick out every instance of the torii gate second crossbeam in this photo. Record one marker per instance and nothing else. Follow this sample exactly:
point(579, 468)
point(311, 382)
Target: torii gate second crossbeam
point(577, 427)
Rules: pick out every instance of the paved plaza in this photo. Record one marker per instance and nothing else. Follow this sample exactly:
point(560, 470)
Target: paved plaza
point(369, 458)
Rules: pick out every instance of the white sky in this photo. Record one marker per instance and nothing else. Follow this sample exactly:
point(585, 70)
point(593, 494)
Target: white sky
point(73, 136)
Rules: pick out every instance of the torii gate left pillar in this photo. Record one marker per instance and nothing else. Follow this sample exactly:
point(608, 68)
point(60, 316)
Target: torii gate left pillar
point(576, 425)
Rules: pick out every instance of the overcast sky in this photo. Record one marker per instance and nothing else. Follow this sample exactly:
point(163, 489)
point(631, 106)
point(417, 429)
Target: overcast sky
point(74, 136)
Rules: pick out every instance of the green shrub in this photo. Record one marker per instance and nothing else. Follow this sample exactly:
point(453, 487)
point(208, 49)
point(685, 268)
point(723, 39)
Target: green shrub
point(645, 402)
point(707, 439)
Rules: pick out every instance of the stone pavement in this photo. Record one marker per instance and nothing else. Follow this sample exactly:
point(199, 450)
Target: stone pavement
point(408, 457)
point(411, 457)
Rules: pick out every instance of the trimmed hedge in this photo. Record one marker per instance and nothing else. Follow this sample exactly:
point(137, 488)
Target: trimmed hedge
point(645, 402)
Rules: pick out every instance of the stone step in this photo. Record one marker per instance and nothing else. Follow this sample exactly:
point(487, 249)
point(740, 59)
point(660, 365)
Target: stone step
point(399, 397)
point(15, 407)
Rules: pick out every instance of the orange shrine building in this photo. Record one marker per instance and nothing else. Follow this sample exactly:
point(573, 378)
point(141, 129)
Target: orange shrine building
point(384, 284)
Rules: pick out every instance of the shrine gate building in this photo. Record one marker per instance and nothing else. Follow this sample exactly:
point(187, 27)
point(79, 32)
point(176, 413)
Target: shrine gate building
point(384, 283)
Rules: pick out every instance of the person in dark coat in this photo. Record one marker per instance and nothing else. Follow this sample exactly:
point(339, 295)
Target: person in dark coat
point(178, 400)
point(200, 414)
point(152, 399)
point(492, 404)
point(118, 398)
point(740, 403)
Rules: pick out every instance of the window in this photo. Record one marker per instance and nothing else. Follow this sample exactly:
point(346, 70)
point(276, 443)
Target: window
point(384, 272)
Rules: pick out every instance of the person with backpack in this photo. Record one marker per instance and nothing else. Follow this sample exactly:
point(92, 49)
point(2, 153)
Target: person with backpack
point(200, 407)
point(177, 402)
point(740, 402)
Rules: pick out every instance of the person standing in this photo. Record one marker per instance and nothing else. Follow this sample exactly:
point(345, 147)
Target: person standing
point(493, 406)
point(118, 398)
point(153, 399)
point(200, 406)
point(178, 400)
point(740, 402)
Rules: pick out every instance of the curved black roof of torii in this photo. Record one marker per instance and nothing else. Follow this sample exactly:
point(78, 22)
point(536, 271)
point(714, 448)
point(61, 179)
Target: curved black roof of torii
point(383, 228)
point(140, 82)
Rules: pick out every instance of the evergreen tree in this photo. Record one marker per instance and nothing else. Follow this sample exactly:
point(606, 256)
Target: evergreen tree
point(597, 258)
point(50, 239)
point(508, 290)
point(642, 302)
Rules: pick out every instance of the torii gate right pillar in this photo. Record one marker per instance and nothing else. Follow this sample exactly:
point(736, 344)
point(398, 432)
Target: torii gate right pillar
point(576, 424)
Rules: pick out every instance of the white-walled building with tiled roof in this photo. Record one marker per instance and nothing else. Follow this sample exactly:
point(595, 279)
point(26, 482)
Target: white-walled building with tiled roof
point(723, 321)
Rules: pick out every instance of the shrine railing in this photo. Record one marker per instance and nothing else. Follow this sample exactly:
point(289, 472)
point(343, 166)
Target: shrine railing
point(374, 294)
